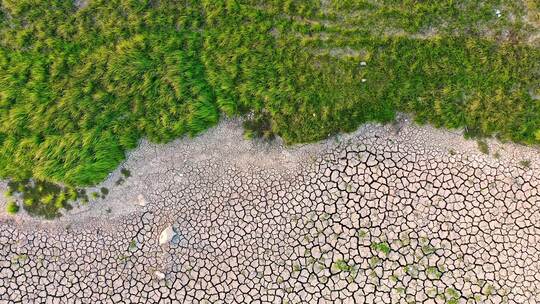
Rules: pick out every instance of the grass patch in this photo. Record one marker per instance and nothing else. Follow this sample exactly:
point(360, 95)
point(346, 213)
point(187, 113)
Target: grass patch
point(125, 172)
point(433, 273)
point(12, 208)
point(80, 87)
point(343, 265)
point(482, 146)
point(45, 199)
point(382, 247)
point(525, 163)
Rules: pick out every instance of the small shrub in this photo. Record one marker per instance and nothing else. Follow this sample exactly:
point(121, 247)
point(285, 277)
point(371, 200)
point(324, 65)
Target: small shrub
point(104, 191)
point(47, 199)
point(8, 193)
point(28, 203)
point(383, 247)
point(433, 273)
point(12, 207)
point(132, 245)
point(525, 163)
point(362, 233)
point(342, 265)
point(482, 146)
point(260, 126)
point(125, 172)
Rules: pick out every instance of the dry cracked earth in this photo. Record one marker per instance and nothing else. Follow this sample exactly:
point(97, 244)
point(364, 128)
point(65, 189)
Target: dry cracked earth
point(384, 215)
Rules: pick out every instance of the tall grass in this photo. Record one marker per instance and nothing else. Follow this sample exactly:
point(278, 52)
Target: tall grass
point(80, 86)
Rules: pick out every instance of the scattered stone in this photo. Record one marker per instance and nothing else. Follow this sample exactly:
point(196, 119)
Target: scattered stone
point(141, 201)
point(159, 275)
point(166, 235)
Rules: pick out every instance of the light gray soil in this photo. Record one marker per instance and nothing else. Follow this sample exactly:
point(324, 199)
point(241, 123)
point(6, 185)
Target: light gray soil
point(389, 214)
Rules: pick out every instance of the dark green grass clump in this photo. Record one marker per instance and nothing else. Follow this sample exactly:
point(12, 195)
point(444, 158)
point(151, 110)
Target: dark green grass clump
point(82, 85)
point(42, 198)
point(12, 207)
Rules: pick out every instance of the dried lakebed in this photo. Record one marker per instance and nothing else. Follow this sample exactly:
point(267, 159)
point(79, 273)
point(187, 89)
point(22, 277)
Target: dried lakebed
point(388, 214)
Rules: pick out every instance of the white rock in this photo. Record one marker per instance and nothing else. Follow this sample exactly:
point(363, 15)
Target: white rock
point(166, 235)
point(141, 201)
point(159, 275)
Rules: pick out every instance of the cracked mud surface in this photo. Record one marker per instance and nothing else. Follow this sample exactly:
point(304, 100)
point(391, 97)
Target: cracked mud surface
point(374, 217)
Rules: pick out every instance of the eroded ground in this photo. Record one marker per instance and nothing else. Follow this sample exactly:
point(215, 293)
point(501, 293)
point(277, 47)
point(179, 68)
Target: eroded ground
point(395, 214)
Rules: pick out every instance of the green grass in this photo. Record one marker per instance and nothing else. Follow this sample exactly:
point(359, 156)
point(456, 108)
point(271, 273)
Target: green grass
point(482, 146)
point(525, 163)
point(12, 207)
point(80, 87)
point(343, 265)
point(382, 247)
point(125, 172)
point(42, 198)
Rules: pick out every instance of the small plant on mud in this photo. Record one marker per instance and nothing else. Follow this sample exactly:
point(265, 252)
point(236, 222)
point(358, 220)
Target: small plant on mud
point(342, 265)
point(383, 247)
point(433, 273)
point(12, 208)
point(125, 172)
point(132, 245)
point(260, 126)
point(482, 146)
point(525, 163)
point(42, 198)
point(104, 192)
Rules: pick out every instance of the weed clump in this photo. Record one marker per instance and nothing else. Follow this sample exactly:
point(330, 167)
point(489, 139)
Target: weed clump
point(525, 163)
point(125, 172)
point(482, 146)
point(45, 199)
point(12, 207)
point(259, 126)
point(382, 247)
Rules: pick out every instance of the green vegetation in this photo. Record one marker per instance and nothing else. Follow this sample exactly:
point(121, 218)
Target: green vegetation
point(482, 146)
point(525, 163)
point(362, 233)
point(43, 198)
point(125, 175)
point(125, 172)
point(342, 265)
point(81, 85)
point(452, 296)
point(12, 207)
point(382, 247)
point(433, 273)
